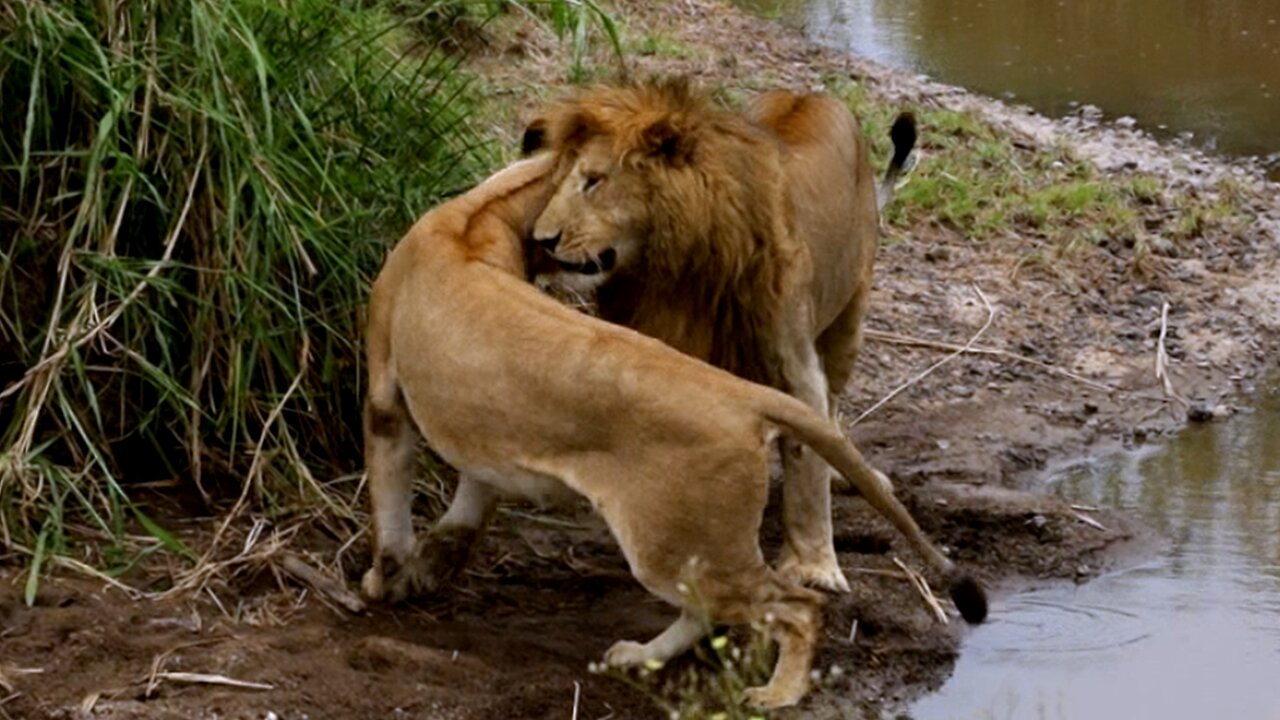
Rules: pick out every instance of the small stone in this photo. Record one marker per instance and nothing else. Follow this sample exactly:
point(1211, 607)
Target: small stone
point(937, 253)
point(1206, 412)
point(1164, 247)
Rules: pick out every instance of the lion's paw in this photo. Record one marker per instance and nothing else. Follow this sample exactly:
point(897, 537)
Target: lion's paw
point(626, 653)
point(826, 574)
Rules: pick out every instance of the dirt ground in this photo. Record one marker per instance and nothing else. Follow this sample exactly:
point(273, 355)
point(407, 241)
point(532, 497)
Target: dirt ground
point(547, 594)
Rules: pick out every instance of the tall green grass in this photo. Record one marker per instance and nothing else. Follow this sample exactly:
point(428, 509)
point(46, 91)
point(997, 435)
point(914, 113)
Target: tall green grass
point(193, 197)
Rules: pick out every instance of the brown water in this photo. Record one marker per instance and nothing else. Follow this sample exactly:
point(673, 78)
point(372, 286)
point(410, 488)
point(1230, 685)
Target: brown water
point(1206, 67)
point(1194, 633)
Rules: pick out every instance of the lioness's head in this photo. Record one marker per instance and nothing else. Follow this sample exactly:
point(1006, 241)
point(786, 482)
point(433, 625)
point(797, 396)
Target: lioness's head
point(614, 144)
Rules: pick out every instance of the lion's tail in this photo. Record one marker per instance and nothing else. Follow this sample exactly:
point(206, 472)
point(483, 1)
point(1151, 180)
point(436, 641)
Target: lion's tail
point(825, 438)
point(903, 134)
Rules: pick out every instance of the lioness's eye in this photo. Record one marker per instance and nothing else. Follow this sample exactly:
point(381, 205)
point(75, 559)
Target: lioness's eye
point(591, 181)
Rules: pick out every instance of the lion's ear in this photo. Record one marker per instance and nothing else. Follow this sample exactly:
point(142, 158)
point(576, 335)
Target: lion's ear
point(666, 140)
point(535, 137)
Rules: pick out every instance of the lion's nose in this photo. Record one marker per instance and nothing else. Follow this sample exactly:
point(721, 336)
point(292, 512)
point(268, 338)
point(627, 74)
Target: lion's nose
point(548, 243)
point(608, 258)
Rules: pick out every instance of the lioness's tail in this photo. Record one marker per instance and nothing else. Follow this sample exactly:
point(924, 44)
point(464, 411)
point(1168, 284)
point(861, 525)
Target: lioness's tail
point(903, 134)
point(824, 437)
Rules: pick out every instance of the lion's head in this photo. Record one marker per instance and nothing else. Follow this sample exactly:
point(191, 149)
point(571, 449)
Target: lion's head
point(656, 182)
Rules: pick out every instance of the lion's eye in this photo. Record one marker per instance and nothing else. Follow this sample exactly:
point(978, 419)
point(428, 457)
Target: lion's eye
point(590, 181)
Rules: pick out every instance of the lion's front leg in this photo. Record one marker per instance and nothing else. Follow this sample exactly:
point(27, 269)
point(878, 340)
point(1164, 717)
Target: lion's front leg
point(808, 554)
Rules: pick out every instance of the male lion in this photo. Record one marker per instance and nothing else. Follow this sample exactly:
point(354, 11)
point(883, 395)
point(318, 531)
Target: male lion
point(527, 397)
point(744, 241)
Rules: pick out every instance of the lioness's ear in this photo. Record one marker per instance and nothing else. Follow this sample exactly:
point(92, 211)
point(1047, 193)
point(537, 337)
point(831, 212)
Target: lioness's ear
point(666, 140)
point(535, 137)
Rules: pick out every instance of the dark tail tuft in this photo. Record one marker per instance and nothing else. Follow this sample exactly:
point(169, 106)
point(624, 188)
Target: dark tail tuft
point(903, 135)
point(969, 598)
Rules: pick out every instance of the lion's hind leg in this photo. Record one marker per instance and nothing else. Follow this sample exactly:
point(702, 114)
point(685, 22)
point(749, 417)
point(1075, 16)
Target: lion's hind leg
point(808, 554)
point(840, 342)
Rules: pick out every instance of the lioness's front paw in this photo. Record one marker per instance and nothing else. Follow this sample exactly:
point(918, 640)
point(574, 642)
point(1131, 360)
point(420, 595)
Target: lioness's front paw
point(626, 653)
point(770, 697)
point(372, 586)
point(825, 574)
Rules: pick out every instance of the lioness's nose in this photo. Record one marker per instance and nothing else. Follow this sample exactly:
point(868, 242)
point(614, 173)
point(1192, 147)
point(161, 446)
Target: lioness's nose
point(548, 243)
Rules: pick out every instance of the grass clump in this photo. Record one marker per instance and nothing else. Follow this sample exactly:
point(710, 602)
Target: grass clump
point(975, 181)
point(195, 196)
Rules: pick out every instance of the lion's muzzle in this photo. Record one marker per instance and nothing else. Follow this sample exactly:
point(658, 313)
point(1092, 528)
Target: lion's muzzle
point(604, 262)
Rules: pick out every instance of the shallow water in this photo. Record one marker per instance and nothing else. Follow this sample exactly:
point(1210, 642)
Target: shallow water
point(1208, 68)
point(1192, 633)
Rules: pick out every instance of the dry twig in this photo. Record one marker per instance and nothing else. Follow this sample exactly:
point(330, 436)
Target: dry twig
point(1089, 521)
point(207, 679)
point(991, 315)
point(1162, 358)
point(322, 583)
point(907, 340)
point(922, 586)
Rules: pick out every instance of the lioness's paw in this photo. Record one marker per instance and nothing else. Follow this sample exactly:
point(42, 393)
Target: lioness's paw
point(770, 698)
point(626, 653)
point(821, 574)
point(444, 553)
point(371, 585)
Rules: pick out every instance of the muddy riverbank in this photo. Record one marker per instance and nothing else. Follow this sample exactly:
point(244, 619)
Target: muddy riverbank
point(1066, 369)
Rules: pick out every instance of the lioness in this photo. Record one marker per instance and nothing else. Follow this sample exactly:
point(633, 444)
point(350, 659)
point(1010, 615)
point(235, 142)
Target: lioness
point(527, 397)
point(744, 241)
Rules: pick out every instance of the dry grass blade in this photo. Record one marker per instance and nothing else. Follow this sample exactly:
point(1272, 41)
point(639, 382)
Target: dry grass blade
point(1162, 359)
point(86, 569)
point(991, 315)
point(922, 586)
point(323, 584)
point(208, 679)
point(1089, 521)
point(7, 671)
point(879, 573)
point(908, 341)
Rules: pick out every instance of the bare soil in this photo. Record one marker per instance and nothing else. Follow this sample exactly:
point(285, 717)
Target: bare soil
point(545, 596)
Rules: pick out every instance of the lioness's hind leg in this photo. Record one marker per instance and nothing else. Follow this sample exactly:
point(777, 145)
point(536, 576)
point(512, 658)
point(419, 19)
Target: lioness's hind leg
point(678, 637)
point(390, 445)
point(790, 615)
point(445, 551)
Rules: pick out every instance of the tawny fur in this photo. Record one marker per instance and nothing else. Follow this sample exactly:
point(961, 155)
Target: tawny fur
point(528, 398)
point(744, 240)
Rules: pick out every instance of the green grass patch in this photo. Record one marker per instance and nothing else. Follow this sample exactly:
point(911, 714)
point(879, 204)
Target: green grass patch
point(975, 181)
point(195, 196)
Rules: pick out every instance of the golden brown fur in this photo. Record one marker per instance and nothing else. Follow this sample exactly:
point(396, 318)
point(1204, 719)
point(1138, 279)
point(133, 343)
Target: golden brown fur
point(747, 241)
point(528, 398)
